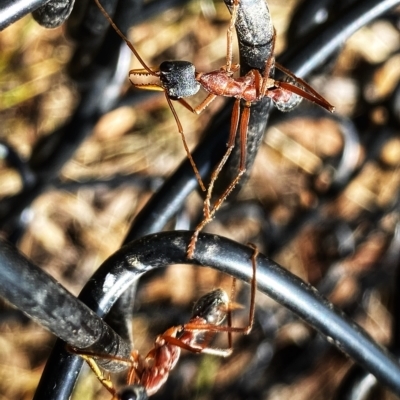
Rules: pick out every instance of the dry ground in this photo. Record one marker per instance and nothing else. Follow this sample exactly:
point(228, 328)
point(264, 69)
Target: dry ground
point(71, 233)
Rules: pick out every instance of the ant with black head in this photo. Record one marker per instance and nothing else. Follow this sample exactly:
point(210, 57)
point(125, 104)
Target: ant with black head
point(147, 374)
point(179, 79)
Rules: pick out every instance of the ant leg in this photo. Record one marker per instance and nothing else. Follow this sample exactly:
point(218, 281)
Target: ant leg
point(188, 154)
point(285, 91)
point(253, 287)
point(88, 356)
point(126, 40)
point(170, 337)
point(188, 342)
point(201, 348)
point(195, 327)
point(229, 35)
point(208, 212)
point(197, 110)
point(269, 64)
point(230, 145)
point(201, 107)
point(244, 123)
point(309, 93)
point(106, 382)
point(229, 314)
point(132, 376)
point(299, 80)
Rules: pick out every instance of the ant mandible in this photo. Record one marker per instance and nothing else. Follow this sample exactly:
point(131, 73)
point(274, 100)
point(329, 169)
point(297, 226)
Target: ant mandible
point(179, 79)
point(147, 374)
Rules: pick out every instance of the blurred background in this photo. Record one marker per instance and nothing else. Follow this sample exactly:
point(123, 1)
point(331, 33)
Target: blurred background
point(322, 200)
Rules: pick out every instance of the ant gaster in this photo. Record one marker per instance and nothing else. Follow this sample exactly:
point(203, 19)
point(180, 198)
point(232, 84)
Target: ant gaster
point(147, 374)
point(179, 79)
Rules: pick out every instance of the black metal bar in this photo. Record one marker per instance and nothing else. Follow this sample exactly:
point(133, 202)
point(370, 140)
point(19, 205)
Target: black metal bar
point(356, 385)
point(13, 10)
point(50, 305)
point(310, 53)
point(156, 251)
point(54, 150)
point(255, 36)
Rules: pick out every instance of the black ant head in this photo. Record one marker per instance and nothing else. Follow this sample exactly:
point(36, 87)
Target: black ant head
point(133, 392)
point(178, 78)
point(212, 307)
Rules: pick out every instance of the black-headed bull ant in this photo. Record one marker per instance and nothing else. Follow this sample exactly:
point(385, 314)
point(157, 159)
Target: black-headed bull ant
point(179, 79)
point(147, 374)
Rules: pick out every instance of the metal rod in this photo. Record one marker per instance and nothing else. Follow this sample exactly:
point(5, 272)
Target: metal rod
point(50, 305)
point(125, 266)
point(13, 10)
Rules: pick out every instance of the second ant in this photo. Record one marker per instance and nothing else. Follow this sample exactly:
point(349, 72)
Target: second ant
point(179, 79)
point(147, 374)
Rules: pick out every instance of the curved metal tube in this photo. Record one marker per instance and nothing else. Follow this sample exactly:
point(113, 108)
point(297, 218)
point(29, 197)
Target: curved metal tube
point(160, 208)
point(125, 266)
point(311, 52)
point(12, 10)
point(54, 308)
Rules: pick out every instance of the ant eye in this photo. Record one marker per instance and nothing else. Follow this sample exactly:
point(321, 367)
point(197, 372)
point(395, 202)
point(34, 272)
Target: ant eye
point(133, 392)
point(167, 66)
point(229, 2)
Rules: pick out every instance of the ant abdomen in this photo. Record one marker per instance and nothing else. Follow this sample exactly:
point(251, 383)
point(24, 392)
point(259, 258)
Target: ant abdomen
point(291, 102)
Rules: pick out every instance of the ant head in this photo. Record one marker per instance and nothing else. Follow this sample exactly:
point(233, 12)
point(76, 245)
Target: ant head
point(178, 78)
point(133, 392)
point(212, 307)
